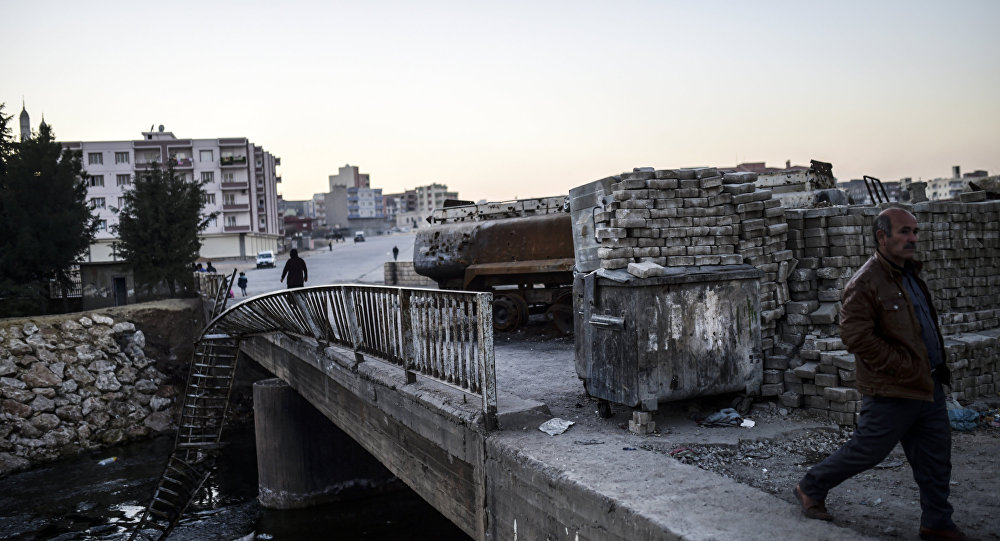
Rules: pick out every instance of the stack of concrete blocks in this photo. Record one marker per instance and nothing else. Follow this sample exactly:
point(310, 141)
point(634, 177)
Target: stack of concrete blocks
point(672, 218)
point(699, 217)
point(960, 248)
point(641, 423)
point(763, 233)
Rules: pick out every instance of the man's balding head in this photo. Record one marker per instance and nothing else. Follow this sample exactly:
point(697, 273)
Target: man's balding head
point(895, 232)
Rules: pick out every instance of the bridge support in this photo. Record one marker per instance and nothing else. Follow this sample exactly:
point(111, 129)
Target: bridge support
point(303, 459)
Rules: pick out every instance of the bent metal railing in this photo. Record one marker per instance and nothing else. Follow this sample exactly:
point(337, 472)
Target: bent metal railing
point(445, 336)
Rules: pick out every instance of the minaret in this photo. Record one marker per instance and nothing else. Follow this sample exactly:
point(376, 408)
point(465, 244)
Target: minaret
point(25, 123)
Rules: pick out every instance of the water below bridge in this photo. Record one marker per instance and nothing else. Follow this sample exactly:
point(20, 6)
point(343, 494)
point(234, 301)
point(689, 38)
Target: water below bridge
point(79, 499)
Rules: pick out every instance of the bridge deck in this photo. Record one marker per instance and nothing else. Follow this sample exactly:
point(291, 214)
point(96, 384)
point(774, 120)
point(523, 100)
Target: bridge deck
point(581, 484)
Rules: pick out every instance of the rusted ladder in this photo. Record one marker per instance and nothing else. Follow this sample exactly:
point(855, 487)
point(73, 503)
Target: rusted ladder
point(199, 433)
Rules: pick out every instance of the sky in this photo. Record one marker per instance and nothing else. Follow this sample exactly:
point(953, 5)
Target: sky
point(517, 99)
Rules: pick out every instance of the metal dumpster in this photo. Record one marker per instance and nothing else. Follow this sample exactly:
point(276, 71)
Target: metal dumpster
point(693, 332)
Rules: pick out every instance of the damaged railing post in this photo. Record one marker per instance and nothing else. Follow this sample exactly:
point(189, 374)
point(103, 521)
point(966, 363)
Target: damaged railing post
point(352, 323)
point(487, 366)
point(406, 335)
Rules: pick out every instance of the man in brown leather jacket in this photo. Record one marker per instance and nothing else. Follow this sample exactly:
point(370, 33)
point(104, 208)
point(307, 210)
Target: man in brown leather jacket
point(888, 321)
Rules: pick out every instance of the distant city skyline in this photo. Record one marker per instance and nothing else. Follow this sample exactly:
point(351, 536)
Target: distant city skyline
point(522, 99)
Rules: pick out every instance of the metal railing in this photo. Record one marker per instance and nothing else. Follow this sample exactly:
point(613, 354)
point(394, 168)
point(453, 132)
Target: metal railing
point(446, 336)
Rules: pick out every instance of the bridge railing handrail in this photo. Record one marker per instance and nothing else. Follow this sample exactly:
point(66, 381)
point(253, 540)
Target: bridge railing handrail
point(443, 335)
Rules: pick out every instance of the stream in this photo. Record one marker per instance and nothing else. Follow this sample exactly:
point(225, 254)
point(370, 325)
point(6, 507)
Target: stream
point(80, 499)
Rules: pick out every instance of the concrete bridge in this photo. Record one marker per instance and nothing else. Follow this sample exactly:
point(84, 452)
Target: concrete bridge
point(406, 374)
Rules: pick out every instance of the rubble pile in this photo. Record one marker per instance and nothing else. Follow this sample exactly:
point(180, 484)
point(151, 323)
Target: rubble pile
point(81, 384)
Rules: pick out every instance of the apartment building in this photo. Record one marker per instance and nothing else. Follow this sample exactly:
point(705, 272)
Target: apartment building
point(241, 184)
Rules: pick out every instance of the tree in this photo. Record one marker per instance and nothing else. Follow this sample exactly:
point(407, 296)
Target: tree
point(45, 221)
point(158, 226)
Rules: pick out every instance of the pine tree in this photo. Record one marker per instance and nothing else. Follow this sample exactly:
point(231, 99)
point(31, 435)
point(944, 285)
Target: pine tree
point(45, 220)
point(158, 226)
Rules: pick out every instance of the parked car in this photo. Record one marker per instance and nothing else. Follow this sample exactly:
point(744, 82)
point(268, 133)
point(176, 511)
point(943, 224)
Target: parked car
point(359, 236)
point(265, 259)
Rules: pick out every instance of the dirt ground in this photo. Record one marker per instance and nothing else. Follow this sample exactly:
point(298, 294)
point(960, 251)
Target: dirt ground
point(774, 455)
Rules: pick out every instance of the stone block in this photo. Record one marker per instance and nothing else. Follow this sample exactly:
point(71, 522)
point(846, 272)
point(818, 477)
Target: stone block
point(790, 399)
point(807, 370)
point(772, 389)
point(841, 394)
point(826, 380)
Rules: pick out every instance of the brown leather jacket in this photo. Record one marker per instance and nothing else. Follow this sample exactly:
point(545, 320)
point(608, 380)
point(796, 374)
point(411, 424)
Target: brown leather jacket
point(878, 325)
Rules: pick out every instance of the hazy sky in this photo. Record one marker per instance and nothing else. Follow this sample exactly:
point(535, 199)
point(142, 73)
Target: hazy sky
point(522, 99)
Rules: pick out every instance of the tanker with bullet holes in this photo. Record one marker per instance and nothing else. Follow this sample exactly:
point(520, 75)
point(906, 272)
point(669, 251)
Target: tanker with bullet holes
point(520, 250)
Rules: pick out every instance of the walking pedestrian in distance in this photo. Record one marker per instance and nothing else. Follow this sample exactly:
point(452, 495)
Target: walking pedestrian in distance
point(395, 252)
point(888, 321)
point(295, 269)
point(242, 282)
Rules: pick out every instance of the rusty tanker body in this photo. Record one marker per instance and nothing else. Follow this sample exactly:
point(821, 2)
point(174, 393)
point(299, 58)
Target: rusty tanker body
point(520, 250)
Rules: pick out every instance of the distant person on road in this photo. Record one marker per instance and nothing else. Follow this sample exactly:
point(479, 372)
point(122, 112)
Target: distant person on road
point(395, 252)
point(210, 268)
point(242, 282)
point(295, 269)
point(888, 321)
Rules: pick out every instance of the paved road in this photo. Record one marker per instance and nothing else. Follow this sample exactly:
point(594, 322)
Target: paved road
point(348, 262)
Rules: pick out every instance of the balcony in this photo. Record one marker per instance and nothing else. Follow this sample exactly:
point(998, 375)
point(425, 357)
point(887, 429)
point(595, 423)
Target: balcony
point(236, 228)
point(236, 207)
point(182, 163)
point(232, 161)
point(240, 185)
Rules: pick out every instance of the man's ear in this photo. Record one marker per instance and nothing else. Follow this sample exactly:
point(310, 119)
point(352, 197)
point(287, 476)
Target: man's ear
point(880, 237)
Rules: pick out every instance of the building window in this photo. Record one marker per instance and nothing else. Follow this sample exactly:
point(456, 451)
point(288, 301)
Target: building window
point(121, 157)
point(228, 177)
point(209, 199)
point(102, 225)
point(97, 203)
point(261, 221)
point(260, 202)
point(207, 176)
point(230, 221)
point(121, 202)
point(229, 199)
point(123, 180)
point(96, 181)
point(95, 158)
point(205, 156)
point(213, 221)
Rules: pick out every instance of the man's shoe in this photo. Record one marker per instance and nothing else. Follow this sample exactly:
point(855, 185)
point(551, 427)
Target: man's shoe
point(812, 508)
point(944, 535)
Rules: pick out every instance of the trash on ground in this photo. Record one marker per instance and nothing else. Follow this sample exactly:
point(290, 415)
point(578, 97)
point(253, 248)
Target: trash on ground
point(108, 461)
point(747, 423)
point(588, 442)
point(725, 417)
point(628, 448)
point(963, 418)
point(555, 426)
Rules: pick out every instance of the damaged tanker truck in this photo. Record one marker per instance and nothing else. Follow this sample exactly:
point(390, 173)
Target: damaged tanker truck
point(520, 250)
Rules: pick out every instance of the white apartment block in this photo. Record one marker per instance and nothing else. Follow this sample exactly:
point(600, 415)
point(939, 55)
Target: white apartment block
point(241, 186)
point(432, 197)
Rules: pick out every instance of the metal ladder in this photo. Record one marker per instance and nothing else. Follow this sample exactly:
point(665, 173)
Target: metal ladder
point(199, 432)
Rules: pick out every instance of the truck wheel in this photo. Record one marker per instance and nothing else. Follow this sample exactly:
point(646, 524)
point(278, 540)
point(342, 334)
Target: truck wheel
point(506, 313)
point(561, 317)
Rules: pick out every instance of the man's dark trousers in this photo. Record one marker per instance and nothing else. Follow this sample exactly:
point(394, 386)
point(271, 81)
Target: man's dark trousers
point(921, 427)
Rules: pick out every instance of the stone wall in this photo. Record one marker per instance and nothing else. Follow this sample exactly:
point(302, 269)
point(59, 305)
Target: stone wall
point(401, 273)
point(74, 383)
